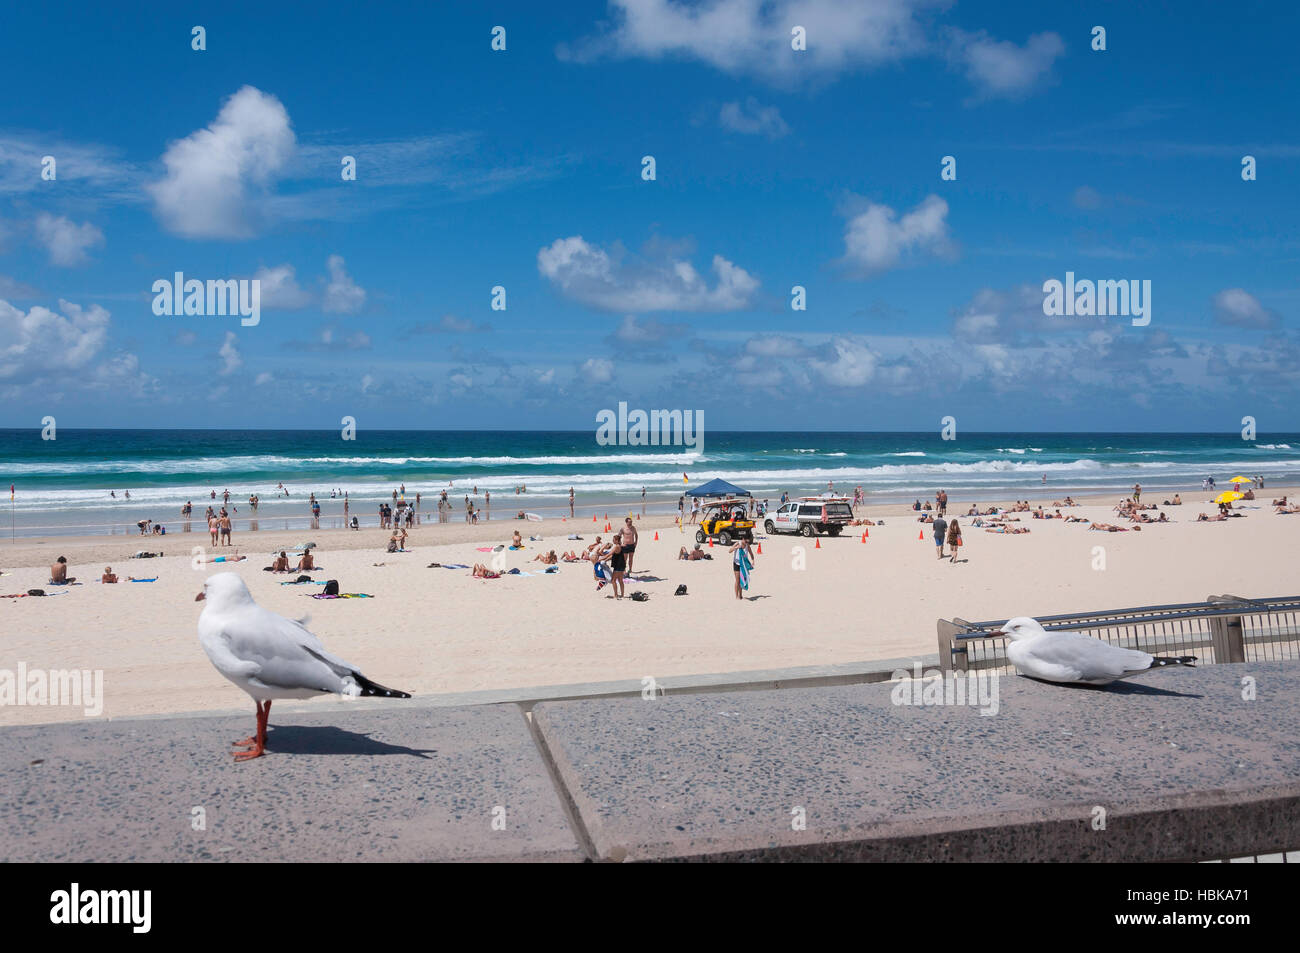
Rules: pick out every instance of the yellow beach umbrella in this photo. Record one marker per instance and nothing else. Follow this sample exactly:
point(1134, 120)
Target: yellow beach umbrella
point(1228, 496)
point(1241, 480)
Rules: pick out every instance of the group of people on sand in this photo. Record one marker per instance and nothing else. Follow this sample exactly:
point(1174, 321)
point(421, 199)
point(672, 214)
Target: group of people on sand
point(306, 563)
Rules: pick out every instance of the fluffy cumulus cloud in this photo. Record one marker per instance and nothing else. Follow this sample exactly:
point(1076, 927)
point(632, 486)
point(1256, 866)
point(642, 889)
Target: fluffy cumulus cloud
point(748, 37)
point(280, 289)
point(752, 38)
point(219, 179)
point(596, 370)
point(1239, 308)
point(877, 238)
point(613, 282)
point(1000, 68)
point(753, 119)
point(65, 240)
point(850, 364)
point(40, 341)
point(229, 355)
point(342, 294)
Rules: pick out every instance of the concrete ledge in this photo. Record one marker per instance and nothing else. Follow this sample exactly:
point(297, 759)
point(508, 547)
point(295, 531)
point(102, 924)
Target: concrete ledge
point(393, 785)
point(1183, 767)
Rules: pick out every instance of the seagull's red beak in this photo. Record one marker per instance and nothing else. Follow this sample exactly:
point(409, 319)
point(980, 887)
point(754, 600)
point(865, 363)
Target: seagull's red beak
point(200, 597)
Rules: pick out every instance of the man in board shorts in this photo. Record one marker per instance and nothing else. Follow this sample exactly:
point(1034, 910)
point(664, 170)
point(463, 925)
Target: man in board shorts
point(940, 528)
point(629, 542)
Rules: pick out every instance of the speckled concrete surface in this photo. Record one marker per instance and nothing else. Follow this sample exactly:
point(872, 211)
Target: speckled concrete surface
point(418, 784)
point(1182, 765)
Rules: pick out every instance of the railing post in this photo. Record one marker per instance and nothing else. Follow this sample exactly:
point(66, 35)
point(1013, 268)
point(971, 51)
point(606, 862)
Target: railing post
point(950, 655)
point(1228, 632)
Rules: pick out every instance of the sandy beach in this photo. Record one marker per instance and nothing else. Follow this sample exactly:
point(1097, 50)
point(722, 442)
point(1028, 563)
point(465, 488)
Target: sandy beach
point(437, 630)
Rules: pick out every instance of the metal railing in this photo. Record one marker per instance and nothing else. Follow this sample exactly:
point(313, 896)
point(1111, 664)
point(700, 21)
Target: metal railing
point(1224, 628)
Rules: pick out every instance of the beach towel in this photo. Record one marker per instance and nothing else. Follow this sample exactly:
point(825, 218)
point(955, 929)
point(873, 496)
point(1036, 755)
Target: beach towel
point(745, 567)
point(484, 549)
point(154, 579)
point(342, 595)
point(455, 566)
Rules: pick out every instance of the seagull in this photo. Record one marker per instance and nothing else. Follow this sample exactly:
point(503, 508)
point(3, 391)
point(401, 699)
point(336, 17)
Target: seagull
point(1075, 658)
point(270, 656)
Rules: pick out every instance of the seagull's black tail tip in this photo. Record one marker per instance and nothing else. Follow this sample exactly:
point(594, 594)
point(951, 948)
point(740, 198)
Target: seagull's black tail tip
point(374, 689)
point(1161, 661)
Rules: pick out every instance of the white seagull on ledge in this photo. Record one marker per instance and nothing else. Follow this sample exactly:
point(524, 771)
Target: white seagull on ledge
point(270, 656)
point(1075, 658)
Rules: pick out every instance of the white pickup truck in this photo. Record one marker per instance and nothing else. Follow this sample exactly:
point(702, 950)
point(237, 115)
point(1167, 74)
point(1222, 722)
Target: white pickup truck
point(811, 516)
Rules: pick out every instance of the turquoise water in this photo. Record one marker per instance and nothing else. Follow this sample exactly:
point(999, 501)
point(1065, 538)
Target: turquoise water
point(64, 485)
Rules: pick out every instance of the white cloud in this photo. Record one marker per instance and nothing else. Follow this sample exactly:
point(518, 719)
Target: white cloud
point(753, 119)
point(220, 178)
point(65, 240)
point(852, 366)
point(229, 354)
point(1000, 68)
point(342, 294)
point(39, 341)
point(593, 276)
point(463, 381)
point(367, 382)
point(12, 288)
point(876, 238)
point(748, 37)
point(1238, 308)
point(649, 331)
point(280, 288)
point(597, 370)
point(264, 378)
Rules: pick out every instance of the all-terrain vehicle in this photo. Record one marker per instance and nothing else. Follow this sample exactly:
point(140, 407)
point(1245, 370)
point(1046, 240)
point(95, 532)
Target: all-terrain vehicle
point(723, 520)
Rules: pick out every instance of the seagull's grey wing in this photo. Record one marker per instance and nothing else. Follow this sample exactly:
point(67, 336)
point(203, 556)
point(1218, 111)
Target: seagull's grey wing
point(285, 653)
point(1081, 657)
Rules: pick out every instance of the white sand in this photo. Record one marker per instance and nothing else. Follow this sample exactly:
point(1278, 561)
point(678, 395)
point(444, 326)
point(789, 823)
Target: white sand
point(438, 630)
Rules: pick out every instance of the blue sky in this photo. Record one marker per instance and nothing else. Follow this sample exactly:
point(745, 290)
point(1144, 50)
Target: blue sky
point(775, 168)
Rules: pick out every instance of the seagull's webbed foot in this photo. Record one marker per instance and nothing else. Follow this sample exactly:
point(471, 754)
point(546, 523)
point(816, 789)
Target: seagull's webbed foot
point(256, 752)
point(248, 742)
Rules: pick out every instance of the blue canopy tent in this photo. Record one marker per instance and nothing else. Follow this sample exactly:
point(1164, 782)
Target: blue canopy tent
point(718, 487)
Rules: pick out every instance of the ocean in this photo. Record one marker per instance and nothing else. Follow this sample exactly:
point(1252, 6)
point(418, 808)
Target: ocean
point(63, 486)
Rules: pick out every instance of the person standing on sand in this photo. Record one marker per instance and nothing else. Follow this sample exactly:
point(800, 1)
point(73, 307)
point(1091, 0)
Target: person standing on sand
point(224, 523)
point(213, 526)
point(570, 502)
point(940, 528)
point(629, 542)
point(742, 560)
point(1137, 492)
point(954, 540)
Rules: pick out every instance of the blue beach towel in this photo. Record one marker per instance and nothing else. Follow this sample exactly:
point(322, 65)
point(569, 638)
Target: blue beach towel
point(745, 567)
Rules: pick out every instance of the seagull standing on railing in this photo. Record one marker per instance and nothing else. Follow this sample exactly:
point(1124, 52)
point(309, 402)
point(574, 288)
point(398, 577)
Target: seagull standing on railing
point(270, 656)
point(1075, 658)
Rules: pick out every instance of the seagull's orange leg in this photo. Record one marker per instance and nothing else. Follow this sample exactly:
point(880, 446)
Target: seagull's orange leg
point(258, 742)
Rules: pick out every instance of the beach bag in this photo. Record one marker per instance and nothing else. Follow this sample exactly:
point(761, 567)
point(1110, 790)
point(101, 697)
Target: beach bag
point(332, 587)
point(303, 579)
point(681, 590)
point(36, 592)
point(639, 596)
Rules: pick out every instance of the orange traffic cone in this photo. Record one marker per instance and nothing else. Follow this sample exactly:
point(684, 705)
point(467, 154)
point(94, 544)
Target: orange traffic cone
point(864, 535)
point(593, 517)
point(760, 549)
point(818, 545)
point(656, 536)
point(710, 542)
point(606, 516)
point(921, 535)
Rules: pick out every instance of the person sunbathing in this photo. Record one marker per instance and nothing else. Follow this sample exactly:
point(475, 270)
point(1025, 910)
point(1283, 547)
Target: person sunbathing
point(1281, 502)
point(1108, 528)
point(593, 548)
point(1076, 519)
point(517, 540)
point(307, 562)
point(281, 563)
point(109, 576)
point(571, 557)
point(1202, 518)
point(1285, 510)
point(547, 559)
point(59, 573)
point(1164, 518)
point(482, 572)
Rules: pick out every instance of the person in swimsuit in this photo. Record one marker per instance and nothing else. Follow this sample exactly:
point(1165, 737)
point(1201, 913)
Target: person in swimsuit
point(281, 563)
point(629, 542)
point(746, 544)
point(617, 565)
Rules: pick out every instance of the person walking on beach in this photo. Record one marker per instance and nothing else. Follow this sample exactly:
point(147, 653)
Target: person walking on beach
point(742, 560)
point(642, 504)
point(954, 540)
point(940, 528)
point(570, 502)
point(224, 523)
point(629, 542)
point(213, 526)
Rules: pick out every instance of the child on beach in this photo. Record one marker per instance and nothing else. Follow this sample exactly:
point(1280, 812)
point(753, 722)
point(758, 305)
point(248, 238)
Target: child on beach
point(954, 540)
